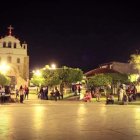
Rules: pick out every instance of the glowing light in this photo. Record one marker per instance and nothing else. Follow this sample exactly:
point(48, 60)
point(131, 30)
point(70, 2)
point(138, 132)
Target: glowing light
point(53, 66)
point(4, 68)
point(37, 72)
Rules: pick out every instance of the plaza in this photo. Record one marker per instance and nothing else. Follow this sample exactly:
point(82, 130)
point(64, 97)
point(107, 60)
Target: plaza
point(68, 120)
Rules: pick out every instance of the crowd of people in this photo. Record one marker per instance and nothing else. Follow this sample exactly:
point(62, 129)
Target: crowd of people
point(54, 94)
point(5, 93)
point(76, 89)
point(125, 93)
point(89, 94)
point(22, 92)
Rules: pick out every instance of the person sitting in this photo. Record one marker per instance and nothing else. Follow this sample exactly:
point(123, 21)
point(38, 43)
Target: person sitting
point(87, 96)
point(129, 94)
point(52, 95)
point(110, 99)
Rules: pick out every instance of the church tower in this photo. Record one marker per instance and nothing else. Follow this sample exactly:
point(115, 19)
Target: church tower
point(15, 55)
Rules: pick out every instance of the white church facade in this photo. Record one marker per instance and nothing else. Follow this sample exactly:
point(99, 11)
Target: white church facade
point(14, 54)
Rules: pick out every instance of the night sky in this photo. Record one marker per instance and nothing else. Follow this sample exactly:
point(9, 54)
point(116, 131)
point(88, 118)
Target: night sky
point(75, 34)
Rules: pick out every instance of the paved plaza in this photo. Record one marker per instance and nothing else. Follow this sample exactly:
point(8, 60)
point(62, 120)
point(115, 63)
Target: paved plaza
point(68, 120)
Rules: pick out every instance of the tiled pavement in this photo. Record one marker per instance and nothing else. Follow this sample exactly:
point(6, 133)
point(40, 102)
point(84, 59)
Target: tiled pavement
point(68, 120)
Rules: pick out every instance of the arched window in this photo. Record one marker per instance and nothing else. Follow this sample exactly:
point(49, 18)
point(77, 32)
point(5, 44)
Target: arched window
point(4, 44)
point(18, 60)
point(9, 44)
point(9, 59)
point(15, 45)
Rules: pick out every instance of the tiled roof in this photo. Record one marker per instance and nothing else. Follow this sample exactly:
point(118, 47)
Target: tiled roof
point(99, 71)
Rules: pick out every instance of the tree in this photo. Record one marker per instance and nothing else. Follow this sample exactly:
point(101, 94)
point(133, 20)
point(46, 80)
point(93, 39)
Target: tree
point(51, 77)
point(135, 60)
point(69, 75)
point(108, 79)
point(4, 80)
point(100, 80)
point(58, 76)
point(37, 80)
point(118, 77)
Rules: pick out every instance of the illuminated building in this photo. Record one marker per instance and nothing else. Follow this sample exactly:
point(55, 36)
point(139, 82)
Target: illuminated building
point(15, 55)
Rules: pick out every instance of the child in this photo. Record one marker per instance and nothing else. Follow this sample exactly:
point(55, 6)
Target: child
point(87, 96)
point(110, 99)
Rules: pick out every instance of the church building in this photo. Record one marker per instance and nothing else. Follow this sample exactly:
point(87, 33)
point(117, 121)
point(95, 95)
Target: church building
point(13, 53)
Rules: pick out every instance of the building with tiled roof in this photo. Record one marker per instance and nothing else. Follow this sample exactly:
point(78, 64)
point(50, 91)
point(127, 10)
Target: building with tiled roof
point(113, 67)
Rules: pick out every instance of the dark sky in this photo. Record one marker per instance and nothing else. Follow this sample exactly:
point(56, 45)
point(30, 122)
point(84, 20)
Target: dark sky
point(75, 34)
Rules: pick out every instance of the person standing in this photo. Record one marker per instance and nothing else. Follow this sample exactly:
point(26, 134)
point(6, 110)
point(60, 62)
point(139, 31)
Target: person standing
point(21, 93)
point(121, 93)
point(17, 93)
point(134, 92)
point(61, 91)
point(79, 89)
point(26, 90)
point(123, 96)
point(57, 94)
point(97, 94)
point(41, 93)
point(92, 90)
point(46, 93)
point(2, 92)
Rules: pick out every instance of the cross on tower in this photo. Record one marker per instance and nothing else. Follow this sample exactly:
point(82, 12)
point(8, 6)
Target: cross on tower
point(10, 29)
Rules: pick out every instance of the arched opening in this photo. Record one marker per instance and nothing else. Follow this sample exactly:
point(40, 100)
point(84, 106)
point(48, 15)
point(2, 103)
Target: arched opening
point(15, 45)
point(9, 44)
point(4, 44)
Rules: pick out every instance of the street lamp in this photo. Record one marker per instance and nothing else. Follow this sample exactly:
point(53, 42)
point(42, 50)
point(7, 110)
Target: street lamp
point(37, 72)
point(53, 66)
point(50, 67)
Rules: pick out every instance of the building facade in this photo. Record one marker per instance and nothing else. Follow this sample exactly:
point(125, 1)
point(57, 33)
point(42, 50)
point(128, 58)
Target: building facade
point(124, 68)
point(14, 54)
